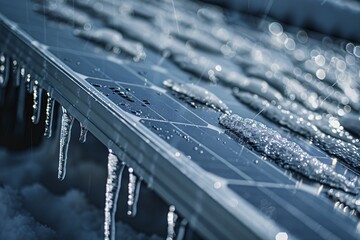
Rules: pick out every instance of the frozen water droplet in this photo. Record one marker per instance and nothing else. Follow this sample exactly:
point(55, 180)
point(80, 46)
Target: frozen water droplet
point(284, 152)
point(37, 97)
point(83, 133)
point(28, 83)
point(275, 28)
point(113, 185)
point(281, 236)
point(171, 221)
point(49, 116)
point(4, 70)
point(198, 94)
point(65, 133)
point(133, 193)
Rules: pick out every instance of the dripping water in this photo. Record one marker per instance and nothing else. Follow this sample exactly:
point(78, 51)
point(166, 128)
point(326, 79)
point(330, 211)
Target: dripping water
point(49, 116)
point(65, 133)
point(113, 184)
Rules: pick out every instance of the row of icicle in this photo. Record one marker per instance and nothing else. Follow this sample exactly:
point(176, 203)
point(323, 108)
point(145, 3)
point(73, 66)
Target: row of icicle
point(115, 166)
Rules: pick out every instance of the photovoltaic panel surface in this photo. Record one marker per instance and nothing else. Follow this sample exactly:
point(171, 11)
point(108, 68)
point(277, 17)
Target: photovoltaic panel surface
point(290, 202)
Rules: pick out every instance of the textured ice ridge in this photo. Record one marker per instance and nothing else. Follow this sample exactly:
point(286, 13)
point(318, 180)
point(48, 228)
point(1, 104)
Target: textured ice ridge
point(284, 152)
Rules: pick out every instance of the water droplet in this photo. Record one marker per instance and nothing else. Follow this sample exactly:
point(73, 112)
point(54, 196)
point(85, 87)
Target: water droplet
point(281, 236)
point(275, 28)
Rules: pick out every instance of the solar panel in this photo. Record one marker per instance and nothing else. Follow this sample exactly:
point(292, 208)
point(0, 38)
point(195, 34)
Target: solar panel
point(224, 187)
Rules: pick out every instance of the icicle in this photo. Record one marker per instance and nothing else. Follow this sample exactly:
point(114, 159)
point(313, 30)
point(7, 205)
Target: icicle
point(171, 220)
point(49, 116)
point(16, 72)
point(22, 94)
point(37, 95)
point(133, 193)
point(83, 133)
point(113, 184)
point(28, 83)
point(4, 70)
point(66, 124)
point(182, 229)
